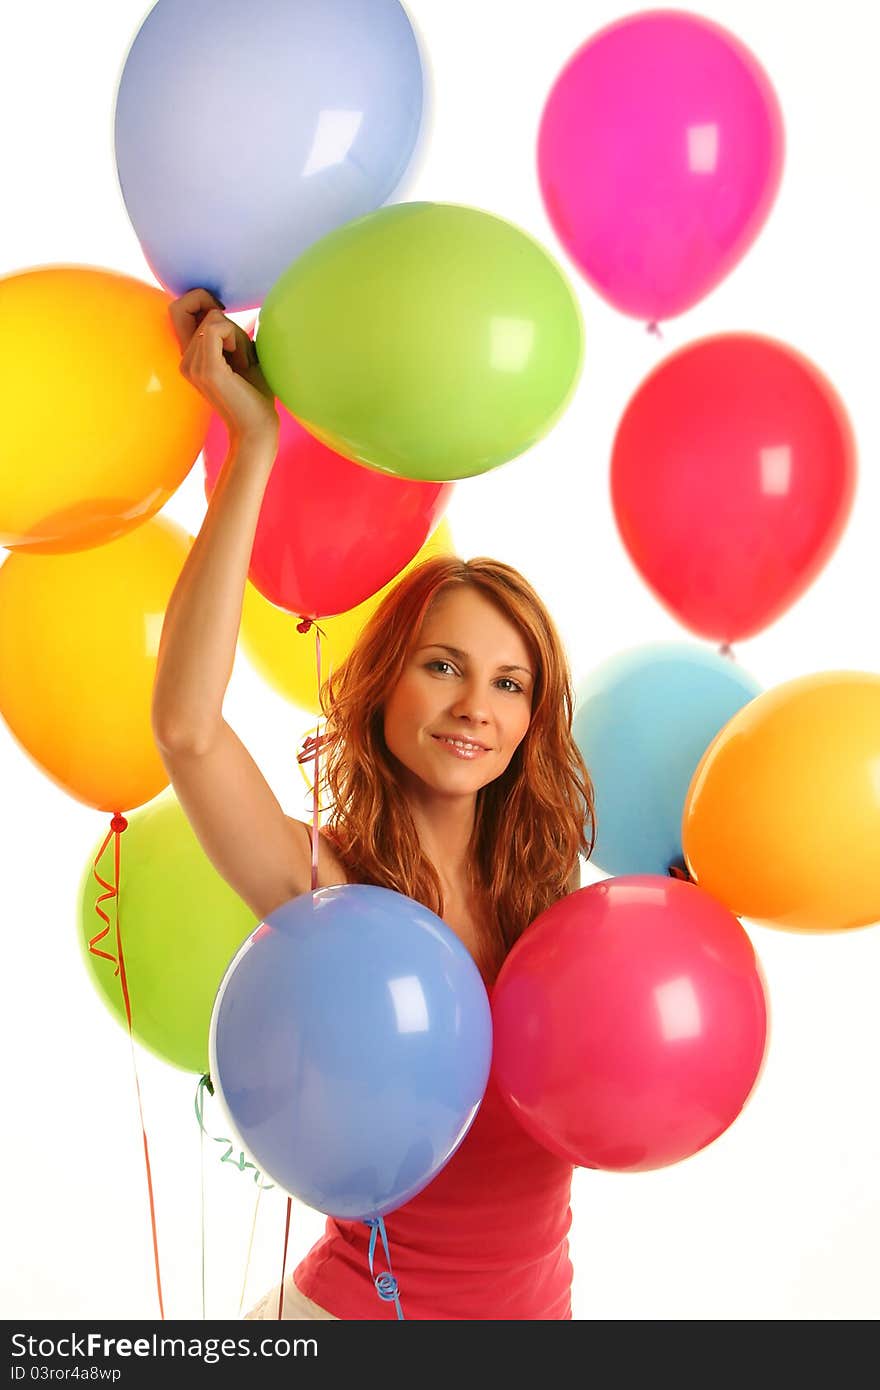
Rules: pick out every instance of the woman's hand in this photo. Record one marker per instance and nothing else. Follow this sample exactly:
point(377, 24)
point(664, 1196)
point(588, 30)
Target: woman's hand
point(220, 360)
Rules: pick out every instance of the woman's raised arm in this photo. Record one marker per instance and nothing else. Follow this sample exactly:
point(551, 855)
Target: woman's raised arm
point(201, 626)
point(262, 853)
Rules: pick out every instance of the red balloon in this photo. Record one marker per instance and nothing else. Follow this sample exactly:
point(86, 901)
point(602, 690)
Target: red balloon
point(630, 1023)
point(331, 532)
point(732, 478)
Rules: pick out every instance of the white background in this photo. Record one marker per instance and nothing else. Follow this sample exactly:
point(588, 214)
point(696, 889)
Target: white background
point(780, 1217)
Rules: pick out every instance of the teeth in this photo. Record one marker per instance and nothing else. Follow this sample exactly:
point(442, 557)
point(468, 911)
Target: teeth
point(460, 743)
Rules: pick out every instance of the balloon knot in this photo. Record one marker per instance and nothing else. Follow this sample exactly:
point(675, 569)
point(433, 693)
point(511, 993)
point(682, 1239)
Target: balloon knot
point(310, 748)
point(386, 1287)
point(654, 327)
point(726, 650)
point(118, 823)
point(304, 625)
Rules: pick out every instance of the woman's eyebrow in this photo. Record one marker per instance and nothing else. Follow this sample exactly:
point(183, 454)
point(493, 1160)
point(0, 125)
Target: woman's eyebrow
point(463, 656)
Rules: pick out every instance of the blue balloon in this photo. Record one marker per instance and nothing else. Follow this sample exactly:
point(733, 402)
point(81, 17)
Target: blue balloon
point(350, 1044)
point(247, 129)
point(642, 722)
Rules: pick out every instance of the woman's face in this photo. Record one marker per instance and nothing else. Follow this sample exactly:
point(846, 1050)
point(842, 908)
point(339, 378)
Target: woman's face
point(464, 700)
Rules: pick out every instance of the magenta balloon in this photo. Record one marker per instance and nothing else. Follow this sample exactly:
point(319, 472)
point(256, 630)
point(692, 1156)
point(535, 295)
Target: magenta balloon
point(330, 533)
point(630, 1023)
point(660, 152)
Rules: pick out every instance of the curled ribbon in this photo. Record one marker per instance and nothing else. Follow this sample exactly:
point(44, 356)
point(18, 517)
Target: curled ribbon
point(386, 1284)
point(310, 749)
point(241, 1163)
point(117, 825)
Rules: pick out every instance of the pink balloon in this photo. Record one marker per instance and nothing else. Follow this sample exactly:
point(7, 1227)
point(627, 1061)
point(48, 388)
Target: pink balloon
point(331, 532)
point(660, 153)
point(630, 1024)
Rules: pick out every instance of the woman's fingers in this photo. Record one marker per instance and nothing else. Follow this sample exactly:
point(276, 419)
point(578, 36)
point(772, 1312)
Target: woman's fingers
point(221, 362)
point(218, 343)
point(187, 313)
point(212, 335)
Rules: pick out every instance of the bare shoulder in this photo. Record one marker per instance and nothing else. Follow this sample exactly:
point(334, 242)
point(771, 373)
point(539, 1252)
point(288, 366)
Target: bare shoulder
point(330, 867)
point(573, 882)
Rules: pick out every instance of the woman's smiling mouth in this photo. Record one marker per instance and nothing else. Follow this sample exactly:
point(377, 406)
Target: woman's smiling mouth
point(460, 747)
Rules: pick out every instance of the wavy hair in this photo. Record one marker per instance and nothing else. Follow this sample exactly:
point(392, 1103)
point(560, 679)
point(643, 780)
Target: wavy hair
point(531, 823)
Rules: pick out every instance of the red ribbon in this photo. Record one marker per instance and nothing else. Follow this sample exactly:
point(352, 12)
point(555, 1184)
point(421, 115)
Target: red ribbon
point(284, 1258)
point(310, 752)
point(310, 749)
point(679, 870)
point(117, 825)
point(317, 747)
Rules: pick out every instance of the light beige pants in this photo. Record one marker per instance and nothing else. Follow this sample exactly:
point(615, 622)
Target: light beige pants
point(296, 1305)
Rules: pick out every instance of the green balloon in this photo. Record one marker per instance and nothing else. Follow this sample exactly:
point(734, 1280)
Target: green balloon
point(426, 340)
point(180, 925)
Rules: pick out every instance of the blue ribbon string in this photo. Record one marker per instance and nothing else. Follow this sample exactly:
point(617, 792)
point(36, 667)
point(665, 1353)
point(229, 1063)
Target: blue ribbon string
point(386, 1284)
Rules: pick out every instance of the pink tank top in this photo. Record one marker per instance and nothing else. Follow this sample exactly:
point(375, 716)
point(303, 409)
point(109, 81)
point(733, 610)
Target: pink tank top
point(486, 1239)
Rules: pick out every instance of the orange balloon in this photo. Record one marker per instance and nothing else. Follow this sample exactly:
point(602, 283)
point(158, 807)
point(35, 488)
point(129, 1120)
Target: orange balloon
point(98, 428)
point(782, 817)
point(79, 637)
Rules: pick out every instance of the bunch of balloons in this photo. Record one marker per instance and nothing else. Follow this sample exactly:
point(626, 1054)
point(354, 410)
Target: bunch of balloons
point(660, 155)
point(409, 345)
point(640, 1000)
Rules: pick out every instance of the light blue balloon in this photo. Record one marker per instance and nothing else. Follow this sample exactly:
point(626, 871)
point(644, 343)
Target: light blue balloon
point(350, 1043)
point(247, 129)
point(642, 722)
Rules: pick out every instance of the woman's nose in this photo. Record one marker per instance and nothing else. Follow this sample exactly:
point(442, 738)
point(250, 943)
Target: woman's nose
point(471, 702)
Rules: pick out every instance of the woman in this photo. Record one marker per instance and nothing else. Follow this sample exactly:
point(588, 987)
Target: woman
point(454, 779)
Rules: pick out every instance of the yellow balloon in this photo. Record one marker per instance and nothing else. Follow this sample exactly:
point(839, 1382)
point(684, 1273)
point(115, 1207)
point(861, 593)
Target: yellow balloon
point(286, 659)
point(782, 817)
point(99, 428)
point(79, 637)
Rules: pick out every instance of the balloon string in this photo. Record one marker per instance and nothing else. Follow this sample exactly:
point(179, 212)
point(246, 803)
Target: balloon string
point(311, 748)
point(247, 1263)
point(202, 1208)
point(386, 1284)
point(308, 752)
point(284, 1260)
point(117, 825)
point(241, 1163)
point(111, 893)
point(317, 770)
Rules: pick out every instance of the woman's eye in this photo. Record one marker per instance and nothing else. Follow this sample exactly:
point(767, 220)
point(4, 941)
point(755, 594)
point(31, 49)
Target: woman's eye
point(513, 687)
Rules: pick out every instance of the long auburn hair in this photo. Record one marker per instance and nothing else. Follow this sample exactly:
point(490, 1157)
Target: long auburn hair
point(531, 823)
